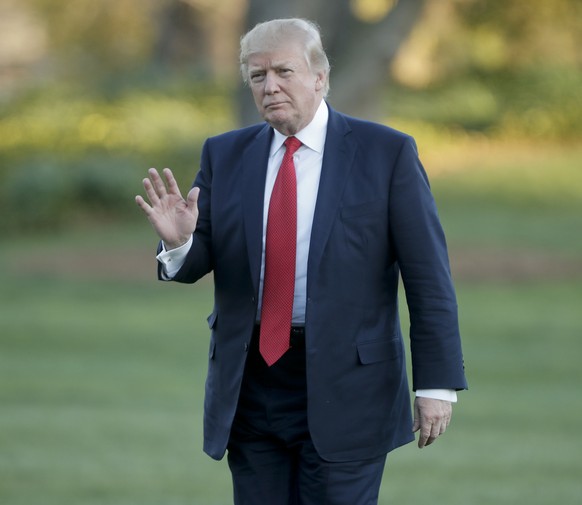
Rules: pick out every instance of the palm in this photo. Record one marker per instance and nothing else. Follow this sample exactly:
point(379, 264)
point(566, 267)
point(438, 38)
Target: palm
point(173, 217)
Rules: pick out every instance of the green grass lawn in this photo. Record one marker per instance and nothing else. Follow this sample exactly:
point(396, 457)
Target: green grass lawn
point(102, 371)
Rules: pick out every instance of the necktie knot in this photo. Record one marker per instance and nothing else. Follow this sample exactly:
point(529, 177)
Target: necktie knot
point(292, 144)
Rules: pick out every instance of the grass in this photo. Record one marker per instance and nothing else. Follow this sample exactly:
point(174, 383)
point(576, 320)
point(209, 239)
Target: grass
point(101, 393)
point(102, 368)
point(513, 436)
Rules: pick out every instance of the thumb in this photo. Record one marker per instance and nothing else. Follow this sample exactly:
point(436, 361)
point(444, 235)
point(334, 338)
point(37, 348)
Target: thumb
point(192, 198)
point(416, 424)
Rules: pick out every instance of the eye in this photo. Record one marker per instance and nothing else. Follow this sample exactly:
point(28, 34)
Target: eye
point(257, 76)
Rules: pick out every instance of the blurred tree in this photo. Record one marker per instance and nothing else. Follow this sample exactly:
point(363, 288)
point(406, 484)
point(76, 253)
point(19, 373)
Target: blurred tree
point(509, 68)
point(533, 31)
point(180, 37)
point(477, 37)
point(23, 41)
point(87, 38)
point(201, 34)
point(84, 40)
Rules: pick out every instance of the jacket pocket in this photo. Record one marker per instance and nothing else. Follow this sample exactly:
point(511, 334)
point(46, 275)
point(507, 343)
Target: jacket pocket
point(211, 319)
point(375, 351)
point(211, 324)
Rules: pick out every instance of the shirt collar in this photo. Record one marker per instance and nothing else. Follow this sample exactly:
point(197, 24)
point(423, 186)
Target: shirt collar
point(312, 136)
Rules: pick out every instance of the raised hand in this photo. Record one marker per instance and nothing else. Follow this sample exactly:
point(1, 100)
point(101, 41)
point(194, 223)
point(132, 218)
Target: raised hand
point(173, 217)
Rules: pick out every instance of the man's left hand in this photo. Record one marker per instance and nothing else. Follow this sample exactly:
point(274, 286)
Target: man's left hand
point(431, 418)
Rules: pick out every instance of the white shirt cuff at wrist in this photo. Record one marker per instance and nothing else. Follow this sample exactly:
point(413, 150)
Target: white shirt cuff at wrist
point(173, 259)
point(449, 395)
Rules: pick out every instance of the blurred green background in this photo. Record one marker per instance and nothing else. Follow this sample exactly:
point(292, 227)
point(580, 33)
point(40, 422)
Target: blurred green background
point(102, 367)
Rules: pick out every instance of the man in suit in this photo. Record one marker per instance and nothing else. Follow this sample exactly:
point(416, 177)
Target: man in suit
point(307, 221)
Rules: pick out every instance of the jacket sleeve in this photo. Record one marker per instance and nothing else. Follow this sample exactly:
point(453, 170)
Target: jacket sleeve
point(421, 252)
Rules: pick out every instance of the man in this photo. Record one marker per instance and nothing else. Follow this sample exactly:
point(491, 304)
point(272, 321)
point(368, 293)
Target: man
point(306, 222)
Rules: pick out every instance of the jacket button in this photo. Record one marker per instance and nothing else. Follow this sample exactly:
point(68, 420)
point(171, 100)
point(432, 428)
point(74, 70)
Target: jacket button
point(246, 346)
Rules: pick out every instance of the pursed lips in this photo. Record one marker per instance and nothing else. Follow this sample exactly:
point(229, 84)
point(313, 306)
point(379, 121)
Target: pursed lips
point(274, 105)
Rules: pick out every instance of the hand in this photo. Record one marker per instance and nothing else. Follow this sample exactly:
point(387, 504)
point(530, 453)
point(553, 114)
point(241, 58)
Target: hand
point(431, 418)
point(173, 218)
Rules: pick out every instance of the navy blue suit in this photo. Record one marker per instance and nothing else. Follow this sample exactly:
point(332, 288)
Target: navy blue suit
point(375, 218)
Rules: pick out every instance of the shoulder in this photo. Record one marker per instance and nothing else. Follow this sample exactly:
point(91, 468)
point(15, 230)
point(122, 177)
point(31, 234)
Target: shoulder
point(371, 130)
point(238, 137)
point(372, 136)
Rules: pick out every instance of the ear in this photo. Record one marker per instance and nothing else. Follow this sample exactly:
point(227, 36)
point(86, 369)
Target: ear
point(319, 81)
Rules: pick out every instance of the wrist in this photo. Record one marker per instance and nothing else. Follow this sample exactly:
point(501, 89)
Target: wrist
point(176, 244)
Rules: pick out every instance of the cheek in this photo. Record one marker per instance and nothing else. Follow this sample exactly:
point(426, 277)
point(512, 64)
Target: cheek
point(257, 95)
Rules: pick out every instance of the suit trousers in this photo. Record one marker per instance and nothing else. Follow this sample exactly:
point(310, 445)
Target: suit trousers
point(270, 452)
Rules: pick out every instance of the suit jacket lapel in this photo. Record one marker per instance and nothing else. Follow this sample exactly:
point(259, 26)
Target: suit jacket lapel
point(338, 159)
point(254, 165)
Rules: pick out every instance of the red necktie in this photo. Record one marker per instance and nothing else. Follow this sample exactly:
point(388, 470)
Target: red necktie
point(280, 252)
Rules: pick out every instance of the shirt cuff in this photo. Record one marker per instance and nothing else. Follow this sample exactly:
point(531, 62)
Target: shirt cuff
point(449, 395)
point(173, 259)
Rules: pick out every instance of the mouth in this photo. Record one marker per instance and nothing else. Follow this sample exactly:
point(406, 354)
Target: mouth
point(274, 105)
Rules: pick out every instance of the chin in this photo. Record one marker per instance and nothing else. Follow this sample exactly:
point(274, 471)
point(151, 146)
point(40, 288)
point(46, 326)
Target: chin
point(280, 121)
point(276, 115)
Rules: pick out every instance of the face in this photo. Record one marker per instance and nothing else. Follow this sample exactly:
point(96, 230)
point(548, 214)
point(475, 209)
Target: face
point(286, 91)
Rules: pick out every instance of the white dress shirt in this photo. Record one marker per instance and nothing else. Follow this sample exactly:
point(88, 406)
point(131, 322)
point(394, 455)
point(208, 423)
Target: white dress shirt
point(308, 161)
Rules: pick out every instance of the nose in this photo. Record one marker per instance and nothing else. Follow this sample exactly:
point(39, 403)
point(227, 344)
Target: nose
point(271, 83)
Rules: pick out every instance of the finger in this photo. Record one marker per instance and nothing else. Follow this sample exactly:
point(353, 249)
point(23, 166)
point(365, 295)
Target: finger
point(143, 205)
point(425, 431)
point(445, 423)
point(157, 182)
point(171, 182)
point(434, 433)
point(151, 192)
point(416, 424)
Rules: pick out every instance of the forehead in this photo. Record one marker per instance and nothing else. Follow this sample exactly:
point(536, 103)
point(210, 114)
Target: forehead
point(291, 55)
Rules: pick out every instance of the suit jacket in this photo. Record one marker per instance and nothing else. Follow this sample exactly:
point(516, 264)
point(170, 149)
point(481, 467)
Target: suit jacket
point(375, 218)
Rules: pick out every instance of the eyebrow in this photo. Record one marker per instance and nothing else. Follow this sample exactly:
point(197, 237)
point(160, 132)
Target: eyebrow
point(275, 65)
